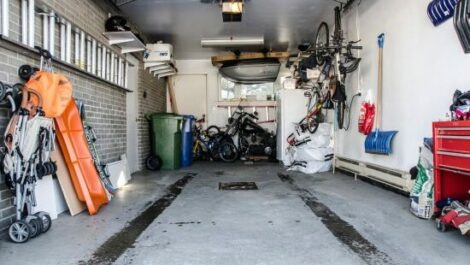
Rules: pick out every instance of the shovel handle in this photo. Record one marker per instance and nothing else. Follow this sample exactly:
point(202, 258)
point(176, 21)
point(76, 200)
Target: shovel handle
point(378, 115)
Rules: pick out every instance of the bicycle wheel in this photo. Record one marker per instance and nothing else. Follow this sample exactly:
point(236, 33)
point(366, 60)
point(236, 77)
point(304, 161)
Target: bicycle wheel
point(338, 34)
point(322, 40)
point(213, 130)
point(312, 125)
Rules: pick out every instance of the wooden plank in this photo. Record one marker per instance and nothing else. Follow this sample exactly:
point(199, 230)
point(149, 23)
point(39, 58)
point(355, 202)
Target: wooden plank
point(248, 56)
point(279, 55)
point(257, 158)
point(223, 104)
point(171, 92)
point(75, 206)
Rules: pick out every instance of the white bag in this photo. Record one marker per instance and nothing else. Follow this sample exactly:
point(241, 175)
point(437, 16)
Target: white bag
point(306, 153)
point(313, 167)
point(318, 141)
point(324, 129)
point(289, 158)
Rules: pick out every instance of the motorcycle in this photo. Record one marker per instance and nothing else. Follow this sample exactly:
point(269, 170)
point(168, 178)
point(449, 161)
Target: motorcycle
point(253, 140)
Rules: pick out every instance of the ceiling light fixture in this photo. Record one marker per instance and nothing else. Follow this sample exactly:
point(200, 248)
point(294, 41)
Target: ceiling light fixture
point(232, 42)
point(232, 10)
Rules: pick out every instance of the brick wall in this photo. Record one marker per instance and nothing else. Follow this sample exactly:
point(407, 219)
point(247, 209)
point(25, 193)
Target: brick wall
point(105, 103)
point(154, 101)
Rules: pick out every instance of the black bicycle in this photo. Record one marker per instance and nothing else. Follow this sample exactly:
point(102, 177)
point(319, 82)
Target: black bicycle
point(340, 52)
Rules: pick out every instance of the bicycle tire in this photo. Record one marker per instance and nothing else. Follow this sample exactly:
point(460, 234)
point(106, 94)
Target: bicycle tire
point(213, 130)
point(338, 33)
point(319, 55)
point(312, 125)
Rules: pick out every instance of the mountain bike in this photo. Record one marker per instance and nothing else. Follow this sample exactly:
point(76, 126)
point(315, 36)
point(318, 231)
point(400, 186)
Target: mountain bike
point(205, 144)
point(340, 53)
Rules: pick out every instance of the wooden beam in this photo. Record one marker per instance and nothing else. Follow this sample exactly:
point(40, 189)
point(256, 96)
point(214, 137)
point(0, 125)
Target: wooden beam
point(171, 93)
point(248, 56)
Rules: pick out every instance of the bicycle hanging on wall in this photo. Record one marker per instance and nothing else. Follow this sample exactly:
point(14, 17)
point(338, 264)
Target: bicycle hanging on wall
point(333, 56)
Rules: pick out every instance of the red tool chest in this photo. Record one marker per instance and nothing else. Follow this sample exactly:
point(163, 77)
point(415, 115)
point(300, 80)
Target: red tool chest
point(451, 160)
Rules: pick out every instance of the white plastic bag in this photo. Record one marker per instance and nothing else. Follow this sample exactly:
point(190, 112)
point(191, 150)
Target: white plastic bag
point(306, 153)
point(313, 167)
point(318, 141)
point(289, 158)
point(324, 129)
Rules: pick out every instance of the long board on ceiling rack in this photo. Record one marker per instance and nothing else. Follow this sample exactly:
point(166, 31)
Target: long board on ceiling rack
point(219, 59)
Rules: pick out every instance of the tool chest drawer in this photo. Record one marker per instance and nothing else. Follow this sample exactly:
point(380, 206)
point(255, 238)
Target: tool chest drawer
point(453, 143)
point(458, 161)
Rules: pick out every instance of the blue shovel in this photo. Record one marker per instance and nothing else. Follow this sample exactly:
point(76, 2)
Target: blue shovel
point(380, 142)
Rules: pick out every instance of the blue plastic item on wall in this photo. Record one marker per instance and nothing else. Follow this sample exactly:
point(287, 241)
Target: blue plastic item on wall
point(187, 141)
point(441, 10)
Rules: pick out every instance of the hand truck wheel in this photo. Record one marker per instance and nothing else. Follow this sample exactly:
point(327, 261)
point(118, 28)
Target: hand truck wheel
point(440, 226)
point(19, 231)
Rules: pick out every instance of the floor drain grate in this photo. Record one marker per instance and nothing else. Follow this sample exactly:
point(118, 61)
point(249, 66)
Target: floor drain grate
point(238, 186)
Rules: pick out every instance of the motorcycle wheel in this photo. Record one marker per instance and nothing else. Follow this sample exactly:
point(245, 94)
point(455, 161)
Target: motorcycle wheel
point(228, 152)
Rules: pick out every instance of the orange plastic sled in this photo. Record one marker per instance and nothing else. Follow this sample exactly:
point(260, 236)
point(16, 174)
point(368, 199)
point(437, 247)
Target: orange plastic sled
point(51, 91)
point(78, 158)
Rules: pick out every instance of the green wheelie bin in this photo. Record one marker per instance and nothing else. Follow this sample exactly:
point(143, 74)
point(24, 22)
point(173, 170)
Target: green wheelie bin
point(166, 138)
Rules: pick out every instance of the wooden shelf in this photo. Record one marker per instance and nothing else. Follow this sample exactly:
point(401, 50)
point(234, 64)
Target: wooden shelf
point(126, 40)
point(225, 104)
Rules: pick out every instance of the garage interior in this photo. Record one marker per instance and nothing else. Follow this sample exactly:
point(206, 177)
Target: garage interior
point(234, 132)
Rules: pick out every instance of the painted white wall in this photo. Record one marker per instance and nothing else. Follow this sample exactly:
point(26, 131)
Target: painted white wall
point(423, 65)
point(215, 115)
point(204, 67)
point(191, 94)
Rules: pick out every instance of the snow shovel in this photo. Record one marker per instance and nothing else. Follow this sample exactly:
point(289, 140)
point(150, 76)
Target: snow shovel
point(380, 142)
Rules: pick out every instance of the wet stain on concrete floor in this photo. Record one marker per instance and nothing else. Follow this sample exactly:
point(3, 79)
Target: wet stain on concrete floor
point(342, 230)
point(116, 245)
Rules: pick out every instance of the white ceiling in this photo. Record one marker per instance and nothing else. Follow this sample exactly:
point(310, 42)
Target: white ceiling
point(283, 23)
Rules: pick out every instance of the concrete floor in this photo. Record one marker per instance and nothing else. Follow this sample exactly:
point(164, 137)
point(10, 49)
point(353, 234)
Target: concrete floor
point(281, 223)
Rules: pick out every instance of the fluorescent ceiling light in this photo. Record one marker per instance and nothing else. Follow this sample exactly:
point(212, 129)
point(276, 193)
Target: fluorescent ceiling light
point(232, 42)
point(232, 10)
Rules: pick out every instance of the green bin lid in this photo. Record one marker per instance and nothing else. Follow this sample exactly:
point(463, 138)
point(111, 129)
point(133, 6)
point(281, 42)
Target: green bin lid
point(162, 115)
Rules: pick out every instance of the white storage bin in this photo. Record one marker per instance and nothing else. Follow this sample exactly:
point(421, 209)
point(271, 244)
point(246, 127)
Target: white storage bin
point(158, 52)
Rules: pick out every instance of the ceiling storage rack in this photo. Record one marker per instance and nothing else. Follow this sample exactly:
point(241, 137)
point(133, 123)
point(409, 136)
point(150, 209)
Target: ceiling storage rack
point(158, 59)
point(127, 41)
